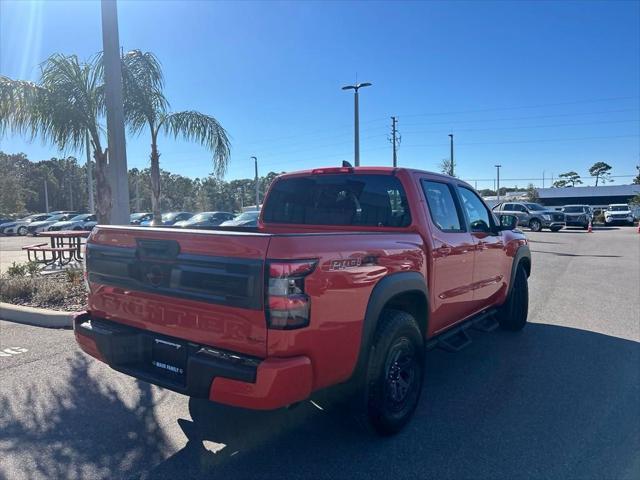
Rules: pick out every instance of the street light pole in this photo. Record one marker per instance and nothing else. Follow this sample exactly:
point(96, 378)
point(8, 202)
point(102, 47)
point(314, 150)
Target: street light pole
point(451, 169)
point(117, 172)
point(498, 181)
point(89, 176)
point(257, 189)
point(356, 119)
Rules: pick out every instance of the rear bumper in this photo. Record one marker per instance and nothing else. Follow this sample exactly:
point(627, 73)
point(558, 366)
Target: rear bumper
point(221, 376)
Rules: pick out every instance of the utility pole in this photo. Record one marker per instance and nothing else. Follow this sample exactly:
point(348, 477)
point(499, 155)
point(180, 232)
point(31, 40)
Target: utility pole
point(394, 140)
point(255, 160)
point(498, 181)
point(451, 169)
point(89, 176)
point(356, 120)
point(70, 194)
point(117, 171)
point(46, 196)
point(138, 208)
point(542, 178)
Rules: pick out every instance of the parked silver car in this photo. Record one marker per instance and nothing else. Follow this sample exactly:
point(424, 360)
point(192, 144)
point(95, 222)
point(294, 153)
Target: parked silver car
point(19, 227)
point(578, 215)
point(532, 215)
point(86, 221)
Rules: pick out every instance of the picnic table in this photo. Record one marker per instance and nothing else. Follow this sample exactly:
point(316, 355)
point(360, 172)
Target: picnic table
point(64, 246)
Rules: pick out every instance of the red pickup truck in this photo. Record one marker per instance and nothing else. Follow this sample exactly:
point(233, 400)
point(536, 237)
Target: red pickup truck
point(350, 275)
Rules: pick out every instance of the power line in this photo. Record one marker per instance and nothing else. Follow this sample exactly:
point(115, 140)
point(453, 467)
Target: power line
point(481, 120)
point(519, 127)
point(495, 109)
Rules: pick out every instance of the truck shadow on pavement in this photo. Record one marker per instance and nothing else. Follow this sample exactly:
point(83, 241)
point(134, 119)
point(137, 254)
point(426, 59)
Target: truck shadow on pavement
point(83, 430)
point(549, 402)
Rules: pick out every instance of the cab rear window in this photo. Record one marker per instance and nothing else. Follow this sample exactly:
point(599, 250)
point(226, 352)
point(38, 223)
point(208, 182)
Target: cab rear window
point(338, 199)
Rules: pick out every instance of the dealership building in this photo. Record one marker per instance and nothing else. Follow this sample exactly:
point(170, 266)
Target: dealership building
point(596, 197)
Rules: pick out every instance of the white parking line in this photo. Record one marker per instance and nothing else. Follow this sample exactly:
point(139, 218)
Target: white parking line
point(9, 352)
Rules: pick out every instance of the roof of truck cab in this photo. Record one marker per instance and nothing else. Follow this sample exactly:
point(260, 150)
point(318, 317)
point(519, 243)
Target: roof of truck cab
point(365, 169)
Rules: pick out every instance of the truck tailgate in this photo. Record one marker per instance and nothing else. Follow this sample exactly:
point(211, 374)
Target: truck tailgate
point(203, 286)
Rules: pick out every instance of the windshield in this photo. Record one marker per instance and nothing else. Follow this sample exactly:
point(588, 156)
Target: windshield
point(169, 216)
point(136, 216)
point(247, 216)
point(77, 218)
point(534, 206)
point(55, 217)
point(574, 209)
point(618, 208)
point(201, 217)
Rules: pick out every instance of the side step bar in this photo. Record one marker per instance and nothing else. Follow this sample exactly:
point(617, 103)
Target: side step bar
point(457, 338)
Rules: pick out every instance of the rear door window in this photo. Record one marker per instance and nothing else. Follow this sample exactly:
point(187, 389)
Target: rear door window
point(444, 211)
point(338, 199)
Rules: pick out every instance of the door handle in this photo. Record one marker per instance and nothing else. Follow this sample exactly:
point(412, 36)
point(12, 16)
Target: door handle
point(444, 250)
point(482, 245)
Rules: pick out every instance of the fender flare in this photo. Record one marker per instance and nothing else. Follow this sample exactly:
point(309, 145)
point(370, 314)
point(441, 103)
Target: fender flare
point(523, 252)
point(387, 288)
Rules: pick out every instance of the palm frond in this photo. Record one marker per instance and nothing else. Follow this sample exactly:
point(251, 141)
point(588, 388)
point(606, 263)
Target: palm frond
point(204, 129)
point(73, 104)
point(18, 99)
point(142, 84)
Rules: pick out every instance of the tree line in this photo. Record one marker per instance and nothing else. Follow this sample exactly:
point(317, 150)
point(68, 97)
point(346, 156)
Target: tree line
point(22, 188)
point(66, 108)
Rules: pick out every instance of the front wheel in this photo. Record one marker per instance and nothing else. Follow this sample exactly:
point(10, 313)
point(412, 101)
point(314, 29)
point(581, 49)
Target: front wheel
point(513, 314)
point(22, 231)
point(535, 225)
point(393, 381)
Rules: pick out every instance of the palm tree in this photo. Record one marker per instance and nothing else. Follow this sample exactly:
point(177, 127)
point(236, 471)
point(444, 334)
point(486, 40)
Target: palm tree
point(146, 106)
point(67, 104)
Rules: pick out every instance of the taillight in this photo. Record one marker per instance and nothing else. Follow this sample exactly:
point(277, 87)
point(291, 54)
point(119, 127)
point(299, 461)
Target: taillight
point(287, 305)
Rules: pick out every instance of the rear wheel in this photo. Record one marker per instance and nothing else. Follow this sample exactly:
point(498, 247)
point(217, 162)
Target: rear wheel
point(513, 314)
point(535, 225)
point(393, 380)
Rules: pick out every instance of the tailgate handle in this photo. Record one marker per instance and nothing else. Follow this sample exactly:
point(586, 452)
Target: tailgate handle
point(164, 249)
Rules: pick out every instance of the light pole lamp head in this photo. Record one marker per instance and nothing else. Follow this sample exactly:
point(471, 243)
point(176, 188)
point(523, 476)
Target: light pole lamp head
point(357, 86)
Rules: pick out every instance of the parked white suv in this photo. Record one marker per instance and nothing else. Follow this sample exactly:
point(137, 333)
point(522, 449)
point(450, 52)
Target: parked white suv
point(618, 213)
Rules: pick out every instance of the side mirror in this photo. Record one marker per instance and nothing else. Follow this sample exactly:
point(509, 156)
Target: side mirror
point(508, 222)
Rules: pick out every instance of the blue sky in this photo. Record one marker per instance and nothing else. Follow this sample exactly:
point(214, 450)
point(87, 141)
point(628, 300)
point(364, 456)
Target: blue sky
point(534, 86)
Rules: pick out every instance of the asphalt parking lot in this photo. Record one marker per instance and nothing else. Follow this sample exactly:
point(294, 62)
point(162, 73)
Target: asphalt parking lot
point(11, 249)
point(560, 399)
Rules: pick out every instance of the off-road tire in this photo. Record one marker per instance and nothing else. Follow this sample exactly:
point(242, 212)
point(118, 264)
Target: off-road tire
point(512, 315)
point(392, 383)
point(535, 225)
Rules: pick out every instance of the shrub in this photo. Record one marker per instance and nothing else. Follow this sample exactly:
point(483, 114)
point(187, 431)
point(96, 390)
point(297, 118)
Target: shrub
point(32, 268)
point(73, 275)
point(48, 291)
point(14, 288)
point(17, 270)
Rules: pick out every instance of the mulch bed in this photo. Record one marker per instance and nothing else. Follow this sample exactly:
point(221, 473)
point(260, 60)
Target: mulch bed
point(51, 291)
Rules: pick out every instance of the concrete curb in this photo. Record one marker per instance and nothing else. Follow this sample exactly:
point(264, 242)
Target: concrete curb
point(39, 317)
